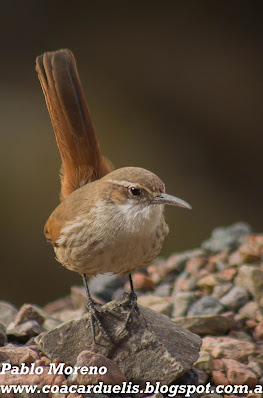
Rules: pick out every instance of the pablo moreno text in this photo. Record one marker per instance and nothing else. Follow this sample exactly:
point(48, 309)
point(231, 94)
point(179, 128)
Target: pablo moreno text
point(53, 368)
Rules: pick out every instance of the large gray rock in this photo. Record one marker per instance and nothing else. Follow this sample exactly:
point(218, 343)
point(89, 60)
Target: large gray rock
point(152, 349)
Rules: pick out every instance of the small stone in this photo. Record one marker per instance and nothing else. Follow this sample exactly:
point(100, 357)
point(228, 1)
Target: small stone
point(234, 259)
point(235, 298)
point(7, 313)
point(227, 347)
point(225, 237)
point(159, 304)
point(204, 362)
point(239, 373)
point(185, 283)
point(103, 286)
point(208, 280)
point(255, 367)
point(251, 324)
point(24, 331)
point(16, 354)
point(221, 290)
point(195, 264)
point(251, 278)
point(258, 331)
point(3, 337)
point(219, 378)
point(206, 306)
point(240, 335)
point(29, 312)
point(252, 311)
point(163, 290)
point(140, 282)
point(227, 274)
point(182, 302)
point(202, 377)
point(78, 297)
point(59, 305)
point(218, 364)
point(69, 315)
point(113, 375)
point(207, 324)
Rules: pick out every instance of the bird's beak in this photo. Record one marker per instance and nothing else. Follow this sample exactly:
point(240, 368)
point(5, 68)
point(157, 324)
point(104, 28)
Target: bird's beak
point(166, 199)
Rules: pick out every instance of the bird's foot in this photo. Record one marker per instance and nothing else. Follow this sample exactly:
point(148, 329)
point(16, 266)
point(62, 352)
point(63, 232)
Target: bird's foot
point(94, 310)
point(130, 299)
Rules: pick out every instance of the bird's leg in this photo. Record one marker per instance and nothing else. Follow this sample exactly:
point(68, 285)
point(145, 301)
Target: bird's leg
point(93, 310)
point(132, 301)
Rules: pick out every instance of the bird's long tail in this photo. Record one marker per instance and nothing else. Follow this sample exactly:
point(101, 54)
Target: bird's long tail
point(82, 160)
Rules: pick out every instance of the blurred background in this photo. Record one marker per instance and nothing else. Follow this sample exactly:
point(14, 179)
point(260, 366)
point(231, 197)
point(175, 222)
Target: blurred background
point(174, 87)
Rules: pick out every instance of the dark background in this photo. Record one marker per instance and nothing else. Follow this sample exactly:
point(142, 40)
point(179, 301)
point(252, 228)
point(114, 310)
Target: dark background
point(173, 86)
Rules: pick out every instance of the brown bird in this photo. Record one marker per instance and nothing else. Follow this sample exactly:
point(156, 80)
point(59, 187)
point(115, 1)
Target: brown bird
point(108, 221)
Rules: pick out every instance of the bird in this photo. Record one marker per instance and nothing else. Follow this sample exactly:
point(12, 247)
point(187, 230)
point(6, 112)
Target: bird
point(109, 220)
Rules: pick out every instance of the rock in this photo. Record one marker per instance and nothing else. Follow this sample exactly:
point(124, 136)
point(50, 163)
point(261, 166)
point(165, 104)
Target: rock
point(258, 331)
point(23, 332)
point(57, 306)
point(163, 290)
point(238, 373)
point(227, 347)
point(29, 312)
point(204, 362)
point(215, 325)
point(240, 335)
point(70, 315)
point(113, 375)
point(235, 298)
point(3, 337)
point(17, 354)
point(256, 368)
point(221, 290)
point(159, 304)
point(152, 349)
point(195, 264)
point(7, 313)
point(218, 364)
point(227, 274)
point(219, 378)
point(225, 237)
point(203, 377)
point(50, 323)
point(251, 278)
point(252, 311)
point(78, 297)
point(185, 283)
point(210, 280)
point(182, 302)
point(206, 305)
point(140, 282)
point(104, 286)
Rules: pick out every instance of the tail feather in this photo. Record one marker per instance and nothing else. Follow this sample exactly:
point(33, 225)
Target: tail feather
point(82, 160)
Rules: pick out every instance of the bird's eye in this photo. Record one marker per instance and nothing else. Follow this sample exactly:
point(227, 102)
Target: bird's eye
point(135, 191)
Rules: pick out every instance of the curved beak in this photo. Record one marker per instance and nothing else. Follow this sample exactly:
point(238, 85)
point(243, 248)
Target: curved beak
point(165, 199)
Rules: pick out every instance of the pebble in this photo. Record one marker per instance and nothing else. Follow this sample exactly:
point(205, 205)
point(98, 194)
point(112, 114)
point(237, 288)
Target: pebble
point(221, 289)
point(215, 325)
point(162, 305)
point(258, 331)
point(251, 278)
point(8, 313)
point(3, 337)
point(239, 373)
point(206, 305)
point(140, 282)
point(182, 302)
point(235, 298)
point(227, 347)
